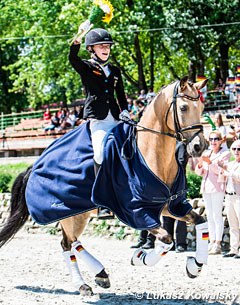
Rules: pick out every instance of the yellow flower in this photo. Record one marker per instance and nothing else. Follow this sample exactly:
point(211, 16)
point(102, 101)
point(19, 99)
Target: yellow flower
point(107, 8)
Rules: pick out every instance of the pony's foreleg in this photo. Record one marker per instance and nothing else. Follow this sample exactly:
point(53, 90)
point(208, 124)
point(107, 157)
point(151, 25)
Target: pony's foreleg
point(194, 264)
point(74, 271)
point(101, 277)
point(163, 244)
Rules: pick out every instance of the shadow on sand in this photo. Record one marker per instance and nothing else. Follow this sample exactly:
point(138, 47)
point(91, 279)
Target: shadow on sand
point(136, 299)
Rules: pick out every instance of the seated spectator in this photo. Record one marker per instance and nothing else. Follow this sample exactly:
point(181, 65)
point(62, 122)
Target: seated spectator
point(231, 170)
point(142, 96)
point(54, 122)
point(134, 111)
point(150, 95)
point(130, 104)
point(69, 120)
point(62, 115)
point(47, 115)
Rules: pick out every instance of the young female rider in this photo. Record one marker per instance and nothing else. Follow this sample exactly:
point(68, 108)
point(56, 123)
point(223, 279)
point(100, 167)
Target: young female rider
point(101, 80)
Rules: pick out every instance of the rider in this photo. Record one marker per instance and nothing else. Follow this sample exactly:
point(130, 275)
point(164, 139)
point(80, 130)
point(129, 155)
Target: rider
point(101, 80)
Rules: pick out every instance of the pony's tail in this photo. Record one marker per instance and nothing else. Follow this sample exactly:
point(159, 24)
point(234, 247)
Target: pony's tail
point(18, 208)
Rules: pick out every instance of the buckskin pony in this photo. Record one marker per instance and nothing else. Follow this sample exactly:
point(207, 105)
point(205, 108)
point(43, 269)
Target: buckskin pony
point(139, 180)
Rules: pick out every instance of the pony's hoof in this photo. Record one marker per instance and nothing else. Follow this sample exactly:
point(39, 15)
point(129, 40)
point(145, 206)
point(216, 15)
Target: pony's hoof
point(103, 282)
point(85, 290)
point(193, 268)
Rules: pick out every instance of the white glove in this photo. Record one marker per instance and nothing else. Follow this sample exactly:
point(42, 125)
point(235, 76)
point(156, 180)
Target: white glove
point(85, 26)
point(125, 116)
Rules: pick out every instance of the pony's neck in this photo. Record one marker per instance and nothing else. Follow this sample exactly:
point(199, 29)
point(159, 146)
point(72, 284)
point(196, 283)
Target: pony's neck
point(157, 150)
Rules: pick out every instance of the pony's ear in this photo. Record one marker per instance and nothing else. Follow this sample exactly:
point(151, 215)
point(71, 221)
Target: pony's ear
point(201, 84)
point(183, 82)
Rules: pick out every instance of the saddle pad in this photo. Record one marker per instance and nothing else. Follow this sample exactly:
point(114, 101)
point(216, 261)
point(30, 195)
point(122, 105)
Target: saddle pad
point(127, 186)
point(61, 181)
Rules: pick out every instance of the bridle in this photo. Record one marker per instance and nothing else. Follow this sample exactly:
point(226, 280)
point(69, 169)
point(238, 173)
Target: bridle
point(179, 132)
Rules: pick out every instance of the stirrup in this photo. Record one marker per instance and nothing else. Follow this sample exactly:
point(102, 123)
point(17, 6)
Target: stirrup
point(105, 214)
point(193, 268)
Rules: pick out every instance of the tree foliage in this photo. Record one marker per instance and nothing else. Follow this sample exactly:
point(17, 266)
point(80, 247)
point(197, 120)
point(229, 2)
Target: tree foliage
point(156, 42)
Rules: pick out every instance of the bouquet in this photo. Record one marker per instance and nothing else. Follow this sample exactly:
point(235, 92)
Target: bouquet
point(101, 10)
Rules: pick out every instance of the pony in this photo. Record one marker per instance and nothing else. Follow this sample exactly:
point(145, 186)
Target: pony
point(173, 115)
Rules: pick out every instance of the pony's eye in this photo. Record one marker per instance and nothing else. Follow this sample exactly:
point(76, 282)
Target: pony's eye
point(184, 108)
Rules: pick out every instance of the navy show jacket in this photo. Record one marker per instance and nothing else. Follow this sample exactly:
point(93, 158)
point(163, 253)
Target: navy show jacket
point(99, 89)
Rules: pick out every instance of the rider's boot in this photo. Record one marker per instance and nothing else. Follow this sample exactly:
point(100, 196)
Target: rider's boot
point(141, 257)
point(103, 213)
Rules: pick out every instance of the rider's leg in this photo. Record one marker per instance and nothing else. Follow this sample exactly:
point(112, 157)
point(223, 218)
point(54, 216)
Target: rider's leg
point(163, 244)
point(99, 129)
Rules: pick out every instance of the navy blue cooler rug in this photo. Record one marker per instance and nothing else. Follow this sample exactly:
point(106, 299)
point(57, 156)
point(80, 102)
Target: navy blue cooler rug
point(62, 181)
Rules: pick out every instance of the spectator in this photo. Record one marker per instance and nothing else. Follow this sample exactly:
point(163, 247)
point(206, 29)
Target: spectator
point(222, 129)
point(220, 86)
point(62, 116)
point(47, 115)
point(69, 120)
point(234, 129)
point(146, 240)
point(213, 188)
point(142, 96)
point(150, 95)
point(134, 111)
point(130, 104)
point(231, 170)
point(54, 122)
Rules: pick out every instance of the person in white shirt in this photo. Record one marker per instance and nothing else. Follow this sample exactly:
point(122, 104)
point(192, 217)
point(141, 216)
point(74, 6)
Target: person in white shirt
point(231, 170)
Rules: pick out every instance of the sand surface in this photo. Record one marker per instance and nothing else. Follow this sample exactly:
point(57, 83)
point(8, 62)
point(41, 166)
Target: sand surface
point(33, 272)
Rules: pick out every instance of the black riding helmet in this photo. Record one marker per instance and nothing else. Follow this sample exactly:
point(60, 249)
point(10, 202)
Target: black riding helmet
point(98, 36)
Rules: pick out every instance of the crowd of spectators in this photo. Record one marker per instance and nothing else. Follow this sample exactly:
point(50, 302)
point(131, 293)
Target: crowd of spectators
point(63, 119)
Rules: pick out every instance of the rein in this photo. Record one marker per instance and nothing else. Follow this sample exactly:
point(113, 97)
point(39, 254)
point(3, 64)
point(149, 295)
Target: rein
point(178, 135)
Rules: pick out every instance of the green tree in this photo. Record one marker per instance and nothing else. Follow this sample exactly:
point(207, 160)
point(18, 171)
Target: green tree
point(156, 42)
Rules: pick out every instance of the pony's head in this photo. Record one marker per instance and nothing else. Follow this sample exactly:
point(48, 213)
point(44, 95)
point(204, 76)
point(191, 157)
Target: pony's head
point(186, 109)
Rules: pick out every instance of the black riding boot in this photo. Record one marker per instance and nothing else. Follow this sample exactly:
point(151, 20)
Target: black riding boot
point(150, 242)
point(103, 213)
point(141, 240)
